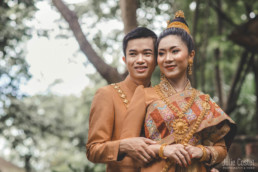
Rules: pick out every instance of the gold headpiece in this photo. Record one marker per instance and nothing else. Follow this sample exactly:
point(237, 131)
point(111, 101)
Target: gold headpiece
point(179, 22)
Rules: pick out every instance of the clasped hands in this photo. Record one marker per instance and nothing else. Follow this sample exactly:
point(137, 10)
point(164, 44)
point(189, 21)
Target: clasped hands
point(144, 150)
point(182, 154)
point(139, 149)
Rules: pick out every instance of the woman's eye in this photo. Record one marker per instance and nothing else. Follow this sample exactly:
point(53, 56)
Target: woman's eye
point(175, 51)
point(161, 54)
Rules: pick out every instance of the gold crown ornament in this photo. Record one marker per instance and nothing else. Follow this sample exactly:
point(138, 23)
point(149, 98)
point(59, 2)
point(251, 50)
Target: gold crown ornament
point(179, 22)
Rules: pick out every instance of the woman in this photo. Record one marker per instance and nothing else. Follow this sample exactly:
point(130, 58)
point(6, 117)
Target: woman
point(192, 131)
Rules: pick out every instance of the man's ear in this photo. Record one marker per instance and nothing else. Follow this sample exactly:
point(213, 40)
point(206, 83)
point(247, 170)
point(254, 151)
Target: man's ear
point(124, 59)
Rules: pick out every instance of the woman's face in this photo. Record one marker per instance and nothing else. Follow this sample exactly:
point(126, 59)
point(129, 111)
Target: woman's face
point(173, 57)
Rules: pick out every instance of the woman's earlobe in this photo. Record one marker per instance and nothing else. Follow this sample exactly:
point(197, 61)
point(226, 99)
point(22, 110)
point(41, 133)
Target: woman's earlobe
point(192, 54)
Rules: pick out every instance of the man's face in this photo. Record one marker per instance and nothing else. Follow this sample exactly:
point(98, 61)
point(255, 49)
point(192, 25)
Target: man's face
point(139, 58)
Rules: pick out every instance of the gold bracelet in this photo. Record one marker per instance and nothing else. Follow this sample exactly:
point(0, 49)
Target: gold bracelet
point(161, 151)
point(204, 155)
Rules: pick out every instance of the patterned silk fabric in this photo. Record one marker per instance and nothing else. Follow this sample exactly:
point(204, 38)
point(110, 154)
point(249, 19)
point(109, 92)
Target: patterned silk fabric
point(159, 117)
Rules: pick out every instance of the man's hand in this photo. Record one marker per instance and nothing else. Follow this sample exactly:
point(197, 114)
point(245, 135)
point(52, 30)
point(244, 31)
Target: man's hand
point(137, 148)
point(214, 170)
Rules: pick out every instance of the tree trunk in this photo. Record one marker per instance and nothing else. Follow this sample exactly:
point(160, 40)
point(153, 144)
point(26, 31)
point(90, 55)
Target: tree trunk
point(194, 80)
point(218, 80)
point(246, 35)
point(203, 53)
point(244, 65)
point(109, 73)
point(217, 54)
point(27, 163)
point(128, 10)
point(255, 70)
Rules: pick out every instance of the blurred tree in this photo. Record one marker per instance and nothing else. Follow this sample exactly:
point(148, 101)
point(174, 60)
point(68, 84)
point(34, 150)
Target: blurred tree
point(13, 67)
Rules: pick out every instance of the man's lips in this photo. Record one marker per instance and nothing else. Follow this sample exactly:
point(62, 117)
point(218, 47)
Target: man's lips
point(140, 68)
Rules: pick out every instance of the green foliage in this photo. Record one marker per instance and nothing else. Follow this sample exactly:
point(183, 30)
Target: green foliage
point(13, 68)
point(52, 130)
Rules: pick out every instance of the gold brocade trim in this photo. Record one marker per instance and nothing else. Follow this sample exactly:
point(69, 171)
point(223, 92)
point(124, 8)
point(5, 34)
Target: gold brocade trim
point(189, 135)
point(179, 25)
point(121, 94)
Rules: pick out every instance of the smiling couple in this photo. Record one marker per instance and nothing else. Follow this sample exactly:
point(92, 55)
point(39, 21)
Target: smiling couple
point(182, 128)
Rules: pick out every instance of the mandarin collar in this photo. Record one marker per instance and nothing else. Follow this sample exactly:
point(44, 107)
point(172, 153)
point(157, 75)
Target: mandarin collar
point(130, 84)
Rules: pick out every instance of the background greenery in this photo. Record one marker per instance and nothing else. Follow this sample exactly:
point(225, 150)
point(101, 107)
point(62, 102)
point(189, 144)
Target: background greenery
point(48, 132)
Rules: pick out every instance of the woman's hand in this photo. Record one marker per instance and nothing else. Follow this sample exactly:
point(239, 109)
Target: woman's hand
point(177, 153)
point(196, 152)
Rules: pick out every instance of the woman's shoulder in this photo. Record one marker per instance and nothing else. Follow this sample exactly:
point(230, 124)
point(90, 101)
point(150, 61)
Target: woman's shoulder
point(150, 94)
point(145, 90)
point(147, 93)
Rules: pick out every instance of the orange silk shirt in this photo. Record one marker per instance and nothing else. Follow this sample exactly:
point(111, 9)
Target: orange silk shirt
point(105, 124)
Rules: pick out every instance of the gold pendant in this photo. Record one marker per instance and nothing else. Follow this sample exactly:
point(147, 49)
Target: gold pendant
point(180, 126)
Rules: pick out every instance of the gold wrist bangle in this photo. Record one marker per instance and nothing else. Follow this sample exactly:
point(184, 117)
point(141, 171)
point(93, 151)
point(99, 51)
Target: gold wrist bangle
point(204, 155)
point(161, 151)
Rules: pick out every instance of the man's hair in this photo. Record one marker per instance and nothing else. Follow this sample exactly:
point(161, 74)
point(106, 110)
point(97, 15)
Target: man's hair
point(139, 32)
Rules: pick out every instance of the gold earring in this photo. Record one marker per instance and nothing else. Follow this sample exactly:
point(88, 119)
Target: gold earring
point(162, 76)
point(190, 64)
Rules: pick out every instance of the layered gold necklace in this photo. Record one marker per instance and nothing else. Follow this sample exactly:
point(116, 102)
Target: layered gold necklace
point(180, 124)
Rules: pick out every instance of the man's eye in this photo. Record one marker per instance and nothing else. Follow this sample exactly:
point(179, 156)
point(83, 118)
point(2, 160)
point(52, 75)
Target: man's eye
point(132, 54)
point(148, 54)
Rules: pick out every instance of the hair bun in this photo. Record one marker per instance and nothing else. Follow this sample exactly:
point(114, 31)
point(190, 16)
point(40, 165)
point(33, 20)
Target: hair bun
point(180, 14)
point(179, 22)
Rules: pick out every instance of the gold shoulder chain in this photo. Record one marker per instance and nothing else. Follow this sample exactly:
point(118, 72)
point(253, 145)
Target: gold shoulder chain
point(121, 94)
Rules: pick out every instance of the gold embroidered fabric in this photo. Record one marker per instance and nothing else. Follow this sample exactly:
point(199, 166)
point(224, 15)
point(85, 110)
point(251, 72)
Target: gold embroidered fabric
point(121, 94)
point(167, 117)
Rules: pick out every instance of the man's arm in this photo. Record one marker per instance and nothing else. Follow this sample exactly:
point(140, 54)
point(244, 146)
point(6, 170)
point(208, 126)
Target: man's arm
point(99, 147)
point(132, 125)
point(138, 149)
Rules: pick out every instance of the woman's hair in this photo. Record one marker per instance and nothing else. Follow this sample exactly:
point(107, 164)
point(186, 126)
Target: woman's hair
point(186, 38)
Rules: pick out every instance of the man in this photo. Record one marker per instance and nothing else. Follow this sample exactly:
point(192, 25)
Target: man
point(109, 106)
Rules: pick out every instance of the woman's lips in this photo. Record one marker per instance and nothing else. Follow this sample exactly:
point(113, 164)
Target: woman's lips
point(170, 67)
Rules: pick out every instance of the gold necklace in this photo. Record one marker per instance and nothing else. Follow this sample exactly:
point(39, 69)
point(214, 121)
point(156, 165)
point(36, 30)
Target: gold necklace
point(180, 126)
point(122, 94)
point(186, 82)
point(206, 107)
